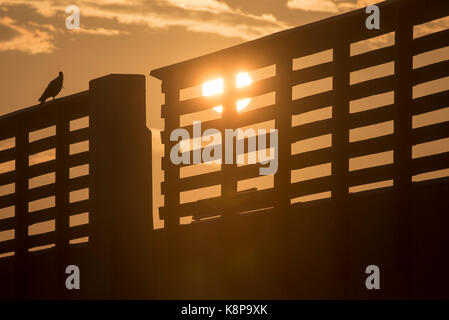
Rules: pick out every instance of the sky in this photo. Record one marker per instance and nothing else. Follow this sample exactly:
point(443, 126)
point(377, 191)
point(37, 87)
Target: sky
point(134, 37)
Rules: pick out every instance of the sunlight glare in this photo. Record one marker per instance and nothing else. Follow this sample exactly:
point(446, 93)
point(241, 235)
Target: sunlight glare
point(216, 87)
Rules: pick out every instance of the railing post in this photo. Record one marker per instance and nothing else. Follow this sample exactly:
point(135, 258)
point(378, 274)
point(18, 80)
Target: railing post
point(120, 186)
point(171, 175)
point(228, 116)
point(282, 178)
point(21, 211)
point(62, 199)
point(402, 130)
point(340, 161)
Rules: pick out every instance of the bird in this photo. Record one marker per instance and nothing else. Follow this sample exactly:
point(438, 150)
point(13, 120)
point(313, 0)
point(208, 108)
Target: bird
point(53, 88)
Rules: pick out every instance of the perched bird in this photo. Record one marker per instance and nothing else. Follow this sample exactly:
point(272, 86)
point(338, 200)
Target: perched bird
point(53, 88)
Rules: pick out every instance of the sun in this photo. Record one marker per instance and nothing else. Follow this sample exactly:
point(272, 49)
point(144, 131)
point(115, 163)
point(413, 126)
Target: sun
point(214, 87)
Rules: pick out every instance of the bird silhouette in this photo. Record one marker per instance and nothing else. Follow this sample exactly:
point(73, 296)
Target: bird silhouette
point(53, 88)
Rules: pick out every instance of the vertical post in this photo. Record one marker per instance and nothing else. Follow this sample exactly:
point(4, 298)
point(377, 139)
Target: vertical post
point(402, 130)
point(62, 199)
point(172, 122)
point(119, 186)
point(229, 114)
point(340, 161)
point(283, 120)
point(21, 211)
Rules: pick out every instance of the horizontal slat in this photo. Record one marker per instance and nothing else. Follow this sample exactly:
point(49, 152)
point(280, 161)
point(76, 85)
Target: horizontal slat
point(202, 103)
point(7, 155)
point(371, 146)
point(7, 201)
point(41, 168)
point(79, 207)
point(430, 163)
point(41, 215)
point(79, 231)
point(257, 115)
point(310, 158)
point(79, 135)
point(41, 239)
point(42, 145)
point(79, 159)
point(431, 72)
point(166, 161)
point(431, 103)
point(430, 133)
point(7, 224)
point(7, 246)
point(79, 183)
point(209, 179)
point(431, 42)
point(7, 177)
point(42, 192)
point(310, 103)
point(206, 207)
point(310, 130)
point(372, 58)
point(370, 175)
point(312, 73)
point(370, 117)
point(372, 87)
point(247, 201)
point(312, 186)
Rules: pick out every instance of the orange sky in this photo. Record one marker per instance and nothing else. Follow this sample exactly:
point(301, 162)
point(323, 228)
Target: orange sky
point(136, 36)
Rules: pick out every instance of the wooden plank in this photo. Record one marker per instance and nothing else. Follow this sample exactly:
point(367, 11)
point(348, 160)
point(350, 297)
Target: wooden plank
point(7, 224)
point(311, 158)
point(431, 42)
point(430, 163)
point(371, 146)
point(431, 72)
point(7, 246)
point(41, 168)
point(312, 186)
point(42, 145)
point(41, 239)
point(430, 103)
point(313, 73)
point(79, 135)
point(78, 207)
point(41, 216)
point(78, 159)
point(313, 102)
point(78, 183)
point(7, 201)
point(42, 192)
point(372, 58)
point(79, 231)
point(7, 177)
point(370, 175)
point(372, 87)
point(430, 133)
point(310, 130)
point(7, 155)
point(370, 117)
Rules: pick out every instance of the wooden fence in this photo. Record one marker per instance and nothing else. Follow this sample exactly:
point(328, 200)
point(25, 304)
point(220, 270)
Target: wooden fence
point(394, 45)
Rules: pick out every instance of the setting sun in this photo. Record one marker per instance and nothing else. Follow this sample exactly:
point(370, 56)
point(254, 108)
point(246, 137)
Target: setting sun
point(216, 87)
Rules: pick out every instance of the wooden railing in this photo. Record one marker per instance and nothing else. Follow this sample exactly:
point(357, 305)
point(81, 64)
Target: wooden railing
point(338, 38)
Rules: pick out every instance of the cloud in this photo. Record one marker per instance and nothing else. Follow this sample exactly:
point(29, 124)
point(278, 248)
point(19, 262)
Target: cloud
point(205, 16)
point(100, 31)
point(329, 6)
point(313, 5)
point(31, 38)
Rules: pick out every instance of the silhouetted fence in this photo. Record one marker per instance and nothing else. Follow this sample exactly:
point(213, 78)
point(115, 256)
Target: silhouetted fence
point(63, 166)
point(363, 81)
